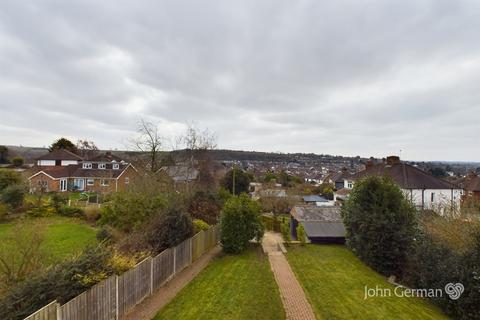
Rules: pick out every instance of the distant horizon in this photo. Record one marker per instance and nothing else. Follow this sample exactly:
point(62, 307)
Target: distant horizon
point(273, 152)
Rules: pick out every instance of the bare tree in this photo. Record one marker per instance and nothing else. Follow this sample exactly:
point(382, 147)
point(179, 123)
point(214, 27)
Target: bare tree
point(149, 141)
point(86, 149)
point(197, 143)
point(21, 253)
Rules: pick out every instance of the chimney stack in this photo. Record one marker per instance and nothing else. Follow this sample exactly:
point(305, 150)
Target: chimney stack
point(391, 160)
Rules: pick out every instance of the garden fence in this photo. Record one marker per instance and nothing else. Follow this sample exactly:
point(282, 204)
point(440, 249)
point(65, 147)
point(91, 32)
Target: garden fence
point(114, 297)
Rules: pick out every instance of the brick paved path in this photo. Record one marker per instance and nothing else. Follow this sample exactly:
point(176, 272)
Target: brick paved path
point(293, 297)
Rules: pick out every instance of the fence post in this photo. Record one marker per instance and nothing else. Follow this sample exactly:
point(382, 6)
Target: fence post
point(117, 304)
point(59, 311)
point(174, 260)
point(151, 276)
point(191, 250)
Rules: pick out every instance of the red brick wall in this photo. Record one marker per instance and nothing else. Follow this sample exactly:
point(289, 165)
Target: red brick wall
point(52, 185)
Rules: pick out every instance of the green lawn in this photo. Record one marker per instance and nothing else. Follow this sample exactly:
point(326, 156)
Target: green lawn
point(334, 281)
point(230, 287)
point(62, 236)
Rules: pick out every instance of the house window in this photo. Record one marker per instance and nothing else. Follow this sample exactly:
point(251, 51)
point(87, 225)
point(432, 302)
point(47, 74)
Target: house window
point(102, 166)
point(79, 184)
point(350, 185)
point(87, 165)
point(63, 185)
point(432, 197)
point(90, 182)
point(116, 166)
point(104, 183)
point(127, 180)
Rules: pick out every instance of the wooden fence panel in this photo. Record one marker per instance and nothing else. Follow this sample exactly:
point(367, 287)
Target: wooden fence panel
point(163, 268)
point(98, 303)
point(114, 297)
point(197, 245)
point(49, 312)
point(134, 286)
point(183, 255)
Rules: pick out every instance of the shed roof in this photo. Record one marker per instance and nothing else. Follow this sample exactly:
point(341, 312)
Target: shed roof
point(314, 198)
point(314, 213)
point(318, 229)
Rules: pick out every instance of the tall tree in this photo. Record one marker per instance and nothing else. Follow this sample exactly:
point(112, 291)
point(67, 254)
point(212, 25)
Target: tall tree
point(197, 143)
point(380, 224)
point(63, 143)
point(237, 181)
point(149, 141)
point(86, 149)
point(3, 154)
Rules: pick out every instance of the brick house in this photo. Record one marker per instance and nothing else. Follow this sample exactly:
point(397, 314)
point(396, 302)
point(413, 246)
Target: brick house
point(61, 170)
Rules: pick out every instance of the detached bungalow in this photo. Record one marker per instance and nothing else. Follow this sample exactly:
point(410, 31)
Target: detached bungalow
point(322, 224)
point(422, 189)
point(62, 170)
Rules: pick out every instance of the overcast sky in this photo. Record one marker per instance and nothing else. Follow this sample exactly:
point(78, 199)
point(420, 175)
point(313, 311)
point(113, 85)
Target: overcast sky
point(341, 77)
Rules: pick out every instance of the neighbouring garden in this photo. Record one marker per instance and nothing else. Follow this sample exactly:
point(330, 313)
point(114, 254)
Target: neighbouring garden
point(231, 287)
point(334, 281)
point(62, 237)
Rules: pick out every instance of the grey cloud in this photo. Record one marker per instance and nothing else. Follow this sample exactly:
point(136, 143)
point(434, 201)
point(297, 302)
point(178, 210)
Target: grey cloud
point(342, 77)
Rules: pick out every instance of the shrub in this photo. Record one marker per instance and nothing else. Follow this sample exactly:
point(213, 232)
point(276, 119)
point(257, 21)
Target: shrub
point(240, 222)
point(285, 228)
point(433, 263)
point(380, 224)
point(58, 200)
point(241, 178)
point(169, 228)
point(91, 213)
point(200, 225)
point(26, 259)
point(301, 236)
point(68, 211)
point(8, 178)
point(129, 210)
point(43, 210)
point(205, 206)
point(61, 282)
point(17, 161)
point(13, 195)
point(104, 235)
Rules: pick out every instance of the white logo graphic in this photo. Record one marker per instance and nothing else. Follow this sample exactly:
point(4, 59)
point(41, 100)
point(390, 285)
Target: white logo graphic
point(454, 290)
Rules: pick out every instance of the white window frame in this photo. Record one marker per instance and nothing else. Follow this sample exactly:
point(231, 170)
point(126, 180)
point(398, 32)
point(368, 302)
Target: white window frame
point(90, 180)
point(115, 166)
point(103, 184)
point(102, 166)
point(87, 165)
point(63, 185)
point(76, 183)
point(127, 180)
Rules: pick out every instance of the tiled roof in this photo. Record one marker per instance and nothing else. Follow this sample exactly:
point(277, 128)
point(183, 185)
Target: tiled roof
point(106, 157)
point(78, 172)
point(60, 154)
point(406, 176)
